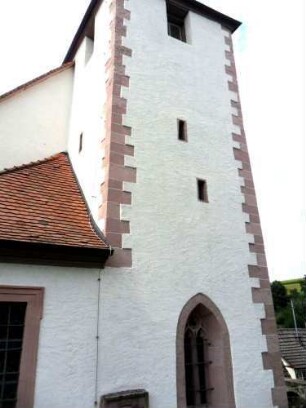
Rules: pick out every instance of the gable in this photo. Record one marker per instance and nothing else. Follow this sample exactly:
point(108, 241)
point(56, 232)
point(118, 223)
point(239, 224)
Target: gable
point(34, 118)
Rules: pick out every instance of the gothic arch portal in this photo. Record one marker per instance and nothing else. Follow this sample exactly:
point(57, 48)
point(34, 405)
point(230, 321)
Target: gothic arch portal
point(219, 374)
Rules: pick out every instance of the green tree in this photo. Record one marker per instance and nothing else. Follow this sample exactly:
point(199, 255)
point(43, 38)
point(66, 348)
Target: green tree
point(304, 285)
point(299, 304)
point(283, 308)
point(279, 294)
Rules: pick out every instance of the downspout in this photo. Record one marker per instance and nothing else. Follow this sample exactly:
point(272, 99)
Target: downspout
point(98, 337)
point(294, 319)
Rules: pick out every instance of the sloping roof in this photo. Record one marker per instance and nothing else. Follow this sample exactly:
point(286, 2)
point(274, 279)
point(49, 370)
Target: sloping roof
point(191, 5)
point(293, 348)
point(42, 203)
point(36, 80)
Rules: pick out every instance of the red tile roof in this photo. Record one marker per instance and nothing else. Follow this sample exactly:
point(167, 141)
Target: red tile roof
point(42, 203)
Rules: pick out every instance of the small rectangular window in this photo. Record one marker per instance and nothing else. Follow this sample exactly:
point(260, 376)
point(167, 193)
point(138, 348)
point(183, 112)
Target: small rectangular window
point(176, 31)
point(81, 143)
point(182, 130)
point(176, 21)
point(202, 190)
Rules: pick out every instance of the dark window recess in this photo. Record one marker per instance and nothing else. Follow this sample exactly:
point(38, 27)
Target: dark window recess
point(202, 190)
point(12, 318)
point(90, 35)
point(196, 365)
point(81, 143)
point(176, 21)
point(90, 30)
point(182, 130)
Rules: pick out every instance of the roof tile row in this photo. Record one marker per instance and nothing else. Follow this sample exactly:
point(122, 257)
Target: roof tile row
point(42, 203)
point(293, 347)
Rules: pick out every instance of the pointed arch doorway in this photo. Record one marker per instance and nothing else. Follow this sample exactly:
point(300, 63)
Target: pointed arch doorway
point(204, 365)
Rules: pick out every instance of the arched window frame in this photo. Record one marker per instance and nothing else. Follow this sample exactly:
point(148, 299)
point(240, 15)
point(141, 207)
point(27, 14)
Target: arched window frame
point(227, 379)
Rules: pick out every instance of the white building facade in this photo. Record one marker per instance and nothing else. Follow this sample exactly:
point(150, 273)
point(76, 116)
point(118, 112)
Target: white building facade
point(146, 106)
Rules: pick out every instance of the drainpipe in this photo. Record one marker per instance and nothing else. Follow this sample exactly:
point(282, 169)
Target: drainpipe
point(294, 319)
point(98, 338)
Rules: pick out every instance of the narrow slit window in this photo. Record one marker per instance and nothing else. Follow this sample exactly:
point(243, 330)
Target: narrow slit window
point(176, 22)
point(182, 130)
point(202, 190)
point(81, 143)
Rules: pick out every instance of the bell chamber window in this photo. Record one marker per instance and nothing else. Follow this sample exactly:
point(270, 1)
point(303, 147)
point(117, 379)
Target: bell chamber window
point(176, 21)
point(196, 360)
point(12, 318)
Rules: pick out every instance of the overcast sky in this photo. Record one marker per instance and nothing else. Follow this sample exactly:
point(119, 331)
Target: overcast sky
point(270, 57)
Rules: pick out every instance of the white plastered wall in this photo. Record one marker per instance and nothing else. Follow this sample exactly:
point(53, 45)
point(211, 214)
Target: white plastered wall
point(34, 123)
point(66, 365)
point(43, 120)
point(180, 246)
point(87, 112)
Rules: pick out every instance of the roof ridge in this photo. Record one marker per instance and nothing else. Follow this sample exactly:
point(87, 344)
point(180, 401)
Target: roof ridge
point(36, 80)
point(32, 163)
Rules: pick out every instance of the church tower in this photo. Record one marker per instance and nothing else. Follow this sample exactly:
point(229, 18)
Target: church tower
point(156, 141)
point(177, 204)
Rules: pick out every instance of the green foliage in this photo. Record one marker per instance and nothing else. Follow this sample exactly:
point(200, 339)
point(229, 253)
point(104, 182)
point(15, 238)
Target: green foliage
point(279, 294)
point(304, 285)
point(283, 308)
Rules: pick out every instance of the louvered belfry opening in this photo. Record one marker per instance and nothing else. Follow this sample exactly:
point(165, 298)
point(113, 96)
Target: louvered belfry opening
point(12, 318)
point(196, 359)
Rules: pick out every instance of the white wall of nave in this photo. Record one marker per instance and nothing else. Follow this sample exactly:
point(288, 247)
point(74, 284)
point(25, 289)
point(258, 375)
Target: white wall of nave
point(66, 364)
point(34, 122)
